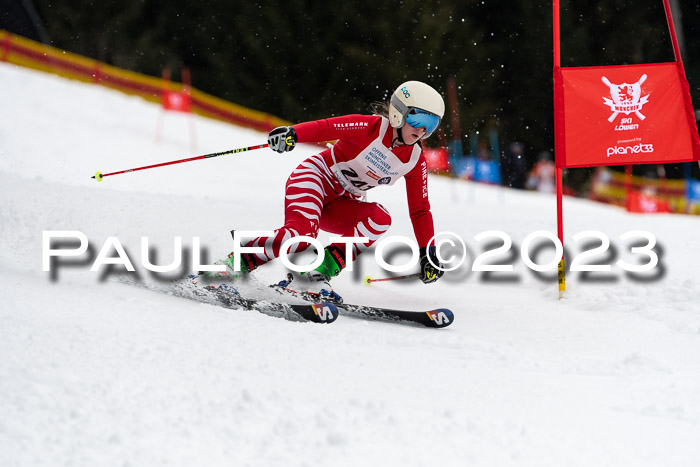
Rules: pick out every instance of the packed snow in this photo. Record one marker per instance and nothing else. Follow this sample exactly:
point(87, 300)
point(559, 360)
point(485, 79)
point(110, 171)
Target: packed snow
point(97, 373)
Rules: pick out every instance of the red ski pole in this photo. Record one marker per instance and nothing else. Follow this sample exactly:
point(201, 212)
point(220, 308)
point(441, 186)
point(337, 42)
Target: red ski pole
point(99, 175)
point(369, 279)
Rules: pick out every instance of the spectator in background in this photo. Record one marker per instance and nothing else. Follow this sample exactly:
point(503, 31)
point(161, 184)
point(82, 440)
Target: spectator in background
point(483, 152)
point(514, 166)
point(542, 175)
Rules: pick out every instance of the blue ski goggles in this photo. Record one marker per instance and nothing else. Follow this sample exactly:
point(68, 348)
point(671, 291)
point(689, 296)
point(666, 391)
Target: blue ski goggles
point(418, 118)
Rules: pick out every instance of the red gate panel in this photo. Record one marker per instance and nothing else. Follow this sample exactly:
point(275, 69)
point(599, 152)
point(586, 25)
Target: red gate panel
point(631, 114)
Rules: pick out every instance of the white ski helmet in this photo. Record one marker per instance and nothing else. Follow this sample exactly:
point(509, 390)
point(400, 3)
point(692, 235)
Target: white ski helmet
point(415, 95)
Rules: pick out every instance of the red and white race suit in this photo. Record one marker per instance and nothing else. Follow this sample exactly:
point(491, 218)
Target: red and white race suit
point(325, 190)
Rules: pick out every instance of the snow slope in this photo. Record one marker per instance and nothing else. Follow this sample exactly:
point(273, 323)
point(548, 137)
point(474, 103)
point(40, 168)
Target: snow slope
point(93, 372)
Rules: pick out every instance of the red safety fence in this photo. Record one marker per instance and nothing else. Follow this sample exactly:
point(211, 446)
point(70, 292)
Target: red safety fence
point(27, 53)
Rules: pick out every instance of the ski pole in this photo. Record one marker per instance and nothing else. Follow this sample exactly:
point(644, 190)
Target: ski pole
point(369, 279)
point(99, 175)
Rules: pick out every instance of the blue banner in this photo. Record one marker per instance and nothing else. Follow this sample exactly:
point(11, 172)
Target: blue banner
point(488, 172)
point(693, 190)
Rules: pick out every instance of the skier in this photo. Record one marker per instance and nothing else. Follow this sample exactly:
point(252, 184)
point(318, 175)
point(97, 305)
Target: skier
point(326, 190)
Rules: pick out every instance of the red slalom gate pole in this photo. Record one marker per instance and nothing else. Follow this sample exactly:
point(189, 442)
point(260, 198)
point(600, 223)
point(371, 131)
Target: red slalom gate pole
point(99, 175)
point(674, 42)
point(561, 268)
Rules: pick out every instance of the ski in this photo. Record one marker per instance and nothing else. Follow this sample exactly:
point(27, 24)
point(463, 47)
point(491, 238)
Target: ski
point(437, 318)
point(318, 309)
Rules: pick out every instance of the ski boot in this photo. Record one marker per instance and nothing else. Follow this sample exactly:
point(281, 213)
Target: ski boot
point(314, 286)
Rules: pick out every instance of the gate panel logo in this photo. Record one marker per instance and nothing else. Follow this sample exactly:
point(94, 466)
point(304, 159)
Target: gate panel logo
point(625, 98)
